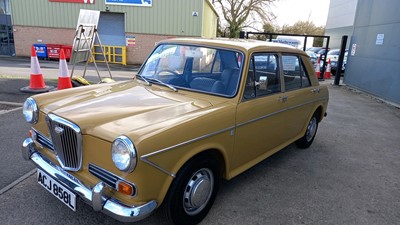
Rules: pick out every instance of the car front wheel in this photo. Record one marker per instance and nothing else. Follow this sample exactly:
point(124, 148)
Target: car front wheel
point(193, 192)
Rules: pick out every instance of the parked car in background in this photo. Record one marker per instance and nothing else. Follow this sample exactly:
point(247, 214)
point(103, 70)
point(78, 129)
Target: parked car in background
point(313, 57)
point(321, 53)
point(314, 49)
point(199, 110)
point(333, 56)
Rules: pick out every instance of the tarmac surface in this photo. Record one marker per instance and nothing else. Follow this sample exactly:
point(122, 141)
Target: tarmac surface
point(349, 175)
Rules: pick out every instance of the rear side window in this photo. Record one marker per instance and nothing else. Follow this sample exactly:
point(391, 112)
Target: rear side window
point(295, 73)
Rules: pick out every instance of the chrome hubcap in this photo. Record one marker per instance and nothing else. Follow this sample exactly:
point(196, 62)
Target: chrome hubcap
point(311, 129)
point(198, 191)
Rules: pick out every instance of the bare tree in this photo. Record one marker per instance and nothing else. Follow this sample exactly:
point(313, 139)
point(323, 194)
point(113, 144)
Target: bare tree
point(240, 14)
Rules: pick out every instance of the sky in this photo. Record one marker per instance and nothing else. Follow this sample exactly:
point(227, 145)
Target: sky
point(289, 12)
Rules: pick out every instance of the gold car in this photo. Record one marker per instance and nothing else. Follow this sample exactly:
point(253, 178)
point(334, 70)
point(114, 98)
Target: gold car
point(198, 111)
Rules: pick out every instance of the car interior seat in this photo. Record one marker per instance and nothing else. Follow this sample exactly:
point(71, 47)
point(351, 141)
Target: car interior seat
point(230, 79)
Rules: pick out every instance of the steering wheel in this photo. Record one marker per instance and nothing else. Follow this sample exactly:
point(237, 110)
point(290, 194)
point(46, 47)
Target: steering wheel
point(174, 72)
point(177, 80)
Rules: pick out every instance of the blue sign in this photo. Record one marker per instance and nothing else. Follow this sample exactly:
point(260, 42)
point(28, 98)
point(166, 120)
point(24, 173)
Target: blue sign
point(130, 2)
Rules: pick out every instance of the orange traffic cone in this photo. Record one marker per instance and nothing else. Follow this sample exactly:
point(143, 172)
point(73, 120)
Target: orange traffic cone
point(328, 70)
point(318, 69)
point(64, 80)
point(36, 83)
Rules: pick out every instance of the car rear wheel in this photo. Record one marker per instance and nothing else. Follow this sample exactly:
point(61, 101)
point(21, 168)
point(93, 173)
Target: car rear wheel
point(311, 131)
point(193, 192)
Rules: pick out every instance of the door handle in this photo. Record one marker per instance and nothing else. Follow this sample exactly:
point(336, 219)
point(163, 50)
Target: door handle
point(283, 98)
point(315, 90)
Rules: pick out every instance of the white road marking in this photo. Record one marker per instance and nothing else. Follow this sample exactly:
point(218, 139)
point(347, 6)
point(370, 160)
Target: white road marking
point(11, 103)
point(16, 182)
point(2, 112)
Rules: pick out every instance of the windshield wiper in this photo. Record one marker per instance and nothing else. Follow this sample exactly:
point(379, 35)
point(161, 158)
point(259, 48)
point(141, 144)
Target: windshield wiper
point(162, 83)
point(144, 79)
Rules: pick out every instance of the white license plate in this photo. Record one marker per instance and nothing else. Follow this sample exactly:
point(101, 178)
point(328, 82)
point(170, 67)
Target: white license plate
point(58, 190)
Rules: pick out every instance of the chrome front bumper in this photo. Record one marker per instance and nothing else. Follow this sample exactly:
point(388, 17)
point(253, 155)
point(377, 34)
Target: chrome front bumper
point(95, 196)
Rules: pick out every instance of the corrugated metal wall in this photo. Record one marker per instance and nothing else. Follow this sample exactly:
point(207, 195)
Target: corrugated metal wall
point(373, 63)
point(209, 22)
point(167, 17)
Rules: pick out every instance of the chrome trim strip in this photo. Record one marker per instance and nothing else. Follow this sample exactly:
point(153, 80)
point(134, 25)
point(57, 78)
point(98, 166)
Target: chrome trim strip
point(110, 177)
point(277, 112)
point(144, 157)
point(65, 122)
point(103, 175)
point(158, 167)
point(95, 196)
point(43, 140)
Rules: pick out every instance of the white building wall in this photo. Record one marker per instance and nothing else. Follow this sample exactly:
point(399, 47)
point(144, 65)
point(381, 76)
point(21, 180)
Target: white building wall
point(340, 21)
point(341, 13)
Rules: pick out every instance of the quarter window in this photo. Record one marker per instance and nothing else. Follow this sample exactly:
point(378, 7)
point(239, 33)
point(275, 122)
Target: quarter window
point(295, 74)
point(263, 76)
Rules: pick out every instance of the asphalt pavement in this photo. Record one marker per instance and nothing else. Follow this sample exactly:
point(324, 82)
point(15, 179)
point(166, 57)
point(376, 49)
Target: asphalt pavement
point(349, 175)
point(19, 67)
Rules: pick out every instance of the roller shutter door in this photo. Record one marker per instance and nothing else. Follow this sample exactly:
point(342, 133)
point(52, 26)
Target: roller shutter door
point(112, 29)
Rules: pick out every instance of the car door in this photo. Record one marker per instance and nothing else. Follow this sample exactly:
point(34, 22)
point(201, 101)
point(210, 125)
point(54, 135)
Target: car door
point(299, 94)
point(260, 123)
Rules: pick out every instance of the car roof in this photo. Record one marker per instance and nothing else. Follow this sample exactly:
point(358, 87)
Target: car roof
point(245, 45)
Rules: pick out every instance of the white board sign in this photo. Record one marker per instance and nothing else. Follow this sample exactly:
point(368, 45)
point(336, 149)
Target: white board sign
point(379, 39)
point(353, 49)
point(289, 63)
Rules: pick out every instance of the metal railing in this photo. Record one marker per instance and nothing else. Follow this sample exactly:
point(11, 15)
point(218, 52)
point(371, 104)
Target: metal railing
point(269, 37)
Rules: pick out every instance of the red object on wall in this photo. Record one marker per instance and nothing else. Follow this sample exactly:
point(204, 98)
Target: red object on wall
point(67, 50)
point(53, 51)
point(75, 1)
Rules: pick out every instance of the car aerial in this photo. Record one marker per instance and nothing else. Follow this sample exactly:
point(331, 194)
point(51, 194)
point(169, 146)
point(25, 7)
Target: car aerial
point(198, 111)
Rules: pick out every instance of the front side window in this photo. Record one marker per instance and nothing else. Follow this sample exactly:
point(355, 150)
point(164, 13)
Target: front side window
point(262, 76)
point(295, 74)
point(197, 68)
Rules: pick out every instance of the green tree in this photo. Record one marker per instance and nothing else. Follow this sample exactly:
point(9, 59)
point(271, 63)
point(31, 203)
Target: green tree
point(305, 27)
point(240, 14)
point(267, 28)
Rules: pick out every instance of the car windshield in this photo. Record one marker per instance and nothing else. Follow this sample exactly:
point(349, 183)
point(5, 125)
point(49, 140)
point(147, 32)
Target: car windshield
point(197, 68)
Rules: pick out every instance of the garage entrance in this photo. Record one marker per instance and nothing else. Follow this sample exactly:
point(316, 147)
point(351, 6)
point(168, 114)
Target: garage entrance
point(111, 28)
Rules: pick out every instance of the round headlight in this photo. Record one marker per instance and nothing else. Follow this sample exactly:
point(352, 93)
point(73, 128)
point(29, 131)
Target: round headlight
point(30, 111)
point(124, 154)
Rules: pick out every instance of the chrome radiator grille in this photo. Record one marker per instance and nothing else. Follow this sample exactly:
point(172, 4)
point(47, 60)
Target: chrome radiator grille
point(67, 141)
